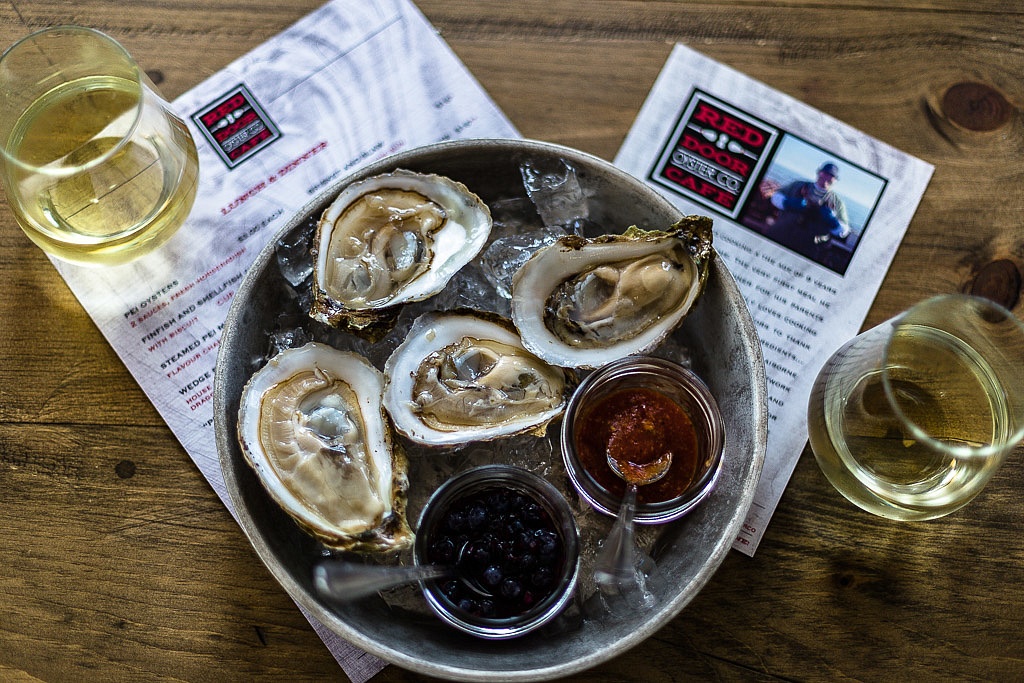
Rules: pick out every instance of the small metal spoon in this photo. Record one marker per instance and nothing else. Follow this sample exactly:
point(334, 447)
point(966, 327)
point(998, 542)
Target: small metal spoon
point(616, 563)
point(343, 581)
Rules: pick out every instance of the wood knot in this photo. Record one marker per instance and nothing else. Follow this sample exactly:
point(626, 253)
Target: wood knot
point(125, 469)
point(845, 580)
point(976, 106)
point(156, 75)
point(998, 281)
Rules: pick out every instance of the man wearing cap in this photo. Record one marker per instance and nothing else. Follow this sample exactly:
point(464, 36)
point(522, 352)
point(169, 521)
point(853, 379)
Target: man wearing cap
point(810, 214)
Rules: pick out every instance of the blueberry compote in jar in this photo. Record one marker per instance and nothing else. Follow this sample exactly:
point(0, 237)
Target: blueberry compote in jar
point(514, 544)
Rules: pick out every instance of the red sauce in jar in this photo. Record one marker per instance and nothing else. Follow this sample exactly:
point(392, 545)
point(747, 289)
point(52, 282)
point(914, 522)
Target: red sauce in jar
point(636, 426)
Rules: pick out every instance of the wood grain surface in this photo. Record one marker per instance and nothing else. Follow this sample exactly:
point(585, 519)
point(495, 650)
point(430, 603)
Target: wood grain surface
point(118, 562)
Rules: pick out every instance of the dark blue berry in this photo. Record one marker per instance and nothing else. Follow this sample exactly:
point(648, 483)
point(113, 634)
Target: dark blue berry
point(493, 575)
point(451, 589)
point(511, 589)
point(476, 517)
point(521, 562)
point(442, 551)
point(527, 542)
point(541, 577)
point(498, 501)
point(513, 527)
point(456, 521)
point(547, 543)
point(534, 515)
point(478, 552)
point(519, 501)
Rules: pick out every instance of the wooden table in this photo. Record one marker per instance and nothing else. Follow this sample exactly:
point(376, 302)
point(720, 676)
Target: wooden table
point(118, 562)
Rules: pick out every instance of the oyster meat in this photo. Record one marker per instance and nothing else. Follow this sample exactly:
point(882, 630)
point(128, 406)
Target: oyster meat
point(391, 239)
point(586, 302)
point(311, 425)
point(461, 377)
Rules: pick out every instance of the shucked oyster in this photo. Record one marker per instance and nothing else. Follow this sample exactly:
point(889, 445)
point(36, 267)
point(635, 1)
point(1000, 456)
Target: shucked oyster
point(584, 303)
point(464, 377)
point(391, 239)
point(310, 424)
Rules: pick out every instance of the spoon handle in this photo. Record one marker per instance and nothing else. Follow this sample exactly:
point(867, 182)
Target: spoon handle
point(344, 581)
point(616, 563)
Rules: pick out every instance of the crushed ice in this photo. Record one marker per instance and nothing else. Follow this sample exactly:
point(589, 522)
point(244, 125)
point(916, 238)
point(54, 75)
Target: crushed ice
point(553, 206)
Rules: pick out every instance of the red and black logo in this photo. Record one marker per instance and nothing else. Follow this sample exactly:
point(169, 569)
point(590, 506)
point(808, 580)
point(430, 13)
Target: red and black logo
point(715, 154)
point(236, 126)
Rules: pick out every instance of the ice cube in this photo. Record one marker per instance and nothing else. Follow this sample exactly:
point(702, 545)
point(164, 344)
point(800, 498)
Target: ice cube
point(555, 190)
point(282, 340)
point(503, 258)
point(293, 255)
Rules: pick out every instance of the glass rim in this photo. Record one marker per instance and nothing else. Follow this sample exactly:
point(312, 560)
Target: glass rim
point(137, 80)
point(1013, 437)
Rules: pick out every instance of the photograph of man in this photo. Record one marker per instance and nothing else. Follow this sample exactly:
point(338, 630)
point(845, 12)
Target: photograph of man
point(810, 214)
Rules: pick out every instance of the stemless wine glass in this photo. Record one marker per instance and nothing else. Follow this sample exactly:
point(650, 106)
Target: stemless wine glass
point(910, 419)
point(96, 166)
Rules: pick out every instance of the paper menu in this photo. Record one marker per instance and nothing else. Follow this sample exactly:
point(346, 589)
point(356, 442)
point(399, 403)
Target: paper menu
point(808, 263)
point(351, 83)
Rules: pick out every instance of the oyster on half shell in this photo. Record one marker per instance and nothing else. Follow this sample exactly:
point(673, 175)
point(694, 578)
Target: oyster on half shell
point(461, 377)
point(586, 302)
point(390, 239)
point(311, 425)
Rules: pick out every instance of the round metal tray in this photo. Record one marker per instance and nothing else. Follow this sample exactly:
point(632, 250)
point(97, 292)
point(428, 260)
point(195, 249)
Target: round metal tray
point(725, 352)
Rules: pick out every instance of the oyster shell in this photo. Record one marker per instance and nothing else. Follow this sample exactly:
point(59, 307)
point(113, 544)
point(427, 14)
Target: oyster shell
point(391, 239)
point(586, 302)
point(310, 424)
point(461, 377)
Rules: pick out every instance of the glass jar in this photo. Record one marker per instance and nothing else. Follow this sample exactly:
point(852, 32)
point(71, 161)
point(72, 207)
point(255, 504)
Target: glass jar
point(513, 541)
point(590, 474)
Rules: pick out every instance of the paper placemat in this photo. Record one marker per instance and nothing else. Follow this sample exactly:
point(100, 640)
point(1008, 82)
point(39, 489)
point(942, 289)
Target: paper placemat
point(808, 254)
point(349, 84)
